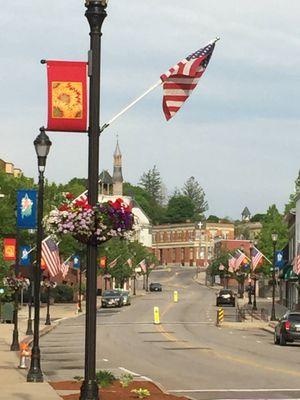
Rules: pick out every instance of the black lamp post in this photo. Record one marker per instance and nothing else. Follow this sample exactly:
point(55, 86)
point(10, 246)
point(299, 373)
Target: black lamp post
point(250, 278)
point(254, 306)
point(42, 146)
point(48, 319)
point(15, 339)
point(29, 330)
point(80, 289)
point(274, 240)
point(95, 14)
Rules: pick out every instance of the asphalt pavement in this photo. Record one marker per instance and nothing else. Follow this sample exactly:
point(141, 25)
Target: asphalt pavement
point(186, 353)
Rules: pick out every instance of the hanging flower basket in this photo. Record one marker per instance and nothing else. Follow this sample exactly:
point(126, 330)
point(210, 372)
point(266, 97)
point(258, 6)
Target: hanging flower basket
point(16, 283)
point(48, 284)
point(89, 224)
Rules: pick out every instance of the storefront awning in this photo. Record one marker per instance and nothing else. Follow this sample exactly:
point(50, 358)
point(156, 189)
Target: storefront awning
point(287, 273)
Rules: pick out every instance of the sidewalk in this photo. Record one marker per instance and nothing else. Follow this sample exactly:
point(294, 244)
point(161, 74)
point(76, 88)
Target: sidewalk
point(13, 380)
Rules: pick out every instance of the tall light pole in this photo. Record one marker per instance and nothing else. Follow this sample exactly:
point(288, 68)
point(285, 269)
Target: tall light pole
point(274, 240)
point(95, 15)
point(254, 307)
point(42, 146)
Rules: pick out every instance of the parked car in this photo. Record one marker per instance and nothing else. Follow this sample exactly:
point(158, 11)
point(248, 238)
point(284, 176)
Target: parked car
point(112, 298)
point(155, 287)
point(287, 328)
point(225, 296)
point(126, 297)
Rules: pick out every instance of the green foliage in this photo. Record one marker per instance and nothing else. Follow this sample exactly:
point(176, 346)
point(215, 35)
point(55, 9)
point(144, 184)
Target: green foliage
point(194, 191)
point(153, 210)
point(123, 250)
point(105, 378)
point(125, 379)
point(78, 378)
point(292, 200)
point(151, 182)
point(62, 294)
point(273, 222)
point(258, 218)
point(180, 208)
point(141, 393)
point(213, 218)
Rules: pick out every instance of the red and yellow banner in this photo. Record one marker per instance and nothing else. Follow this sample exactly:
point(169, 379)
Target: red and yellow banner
point(9, 249)
point(67, 96)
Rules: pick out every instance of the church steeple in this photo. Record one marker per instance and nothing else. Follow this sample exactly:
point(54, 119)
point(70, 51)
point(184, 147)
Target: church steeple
point(117, 175)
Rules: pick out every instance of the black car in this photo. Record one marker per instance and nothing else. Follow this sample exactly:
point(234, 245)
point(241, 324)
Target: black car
point(112, 298)
point(155, 287)
point(225, 296)
point(126, 296)
point(288, 328)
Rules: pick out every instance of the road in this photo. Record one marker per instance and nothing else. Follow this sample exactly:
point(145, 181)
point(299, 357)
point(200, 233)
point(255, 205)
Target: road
point(187, 354)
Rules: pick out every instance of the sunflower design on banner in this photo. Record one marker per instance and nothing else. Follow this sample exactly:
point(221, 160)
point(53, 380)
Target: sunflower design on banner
point(67, 100)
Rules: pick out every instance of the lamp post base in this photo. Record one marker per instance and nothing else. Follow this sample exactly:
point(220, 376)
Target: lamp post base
point(35, 376)
point(29, 327)
point(15, 343)
point(89, 391)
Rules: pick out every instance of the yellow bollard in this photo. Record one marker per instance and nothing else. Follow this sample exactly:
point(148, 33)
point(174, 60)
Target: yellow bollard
point(156, 315)
point(175, 296)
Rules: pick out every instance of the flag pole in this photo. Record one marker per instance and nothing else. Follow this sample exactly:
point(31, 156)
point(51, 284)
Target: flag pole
point(158, 83)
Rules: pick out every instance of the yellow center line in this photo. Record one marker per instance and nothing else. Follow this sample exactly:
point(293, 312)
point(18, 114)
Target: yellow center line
point(219, 354)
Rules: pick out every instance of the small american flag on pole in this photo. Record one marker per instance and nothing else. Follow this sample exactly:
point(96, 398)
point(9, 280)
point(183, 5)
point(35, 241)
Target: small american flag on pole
point(113, 263)
point(65, 268)
point(143, 266)
point(50, 255)
point(296, 262)
point(180, 80)
point(256, 257)
point(239, 258)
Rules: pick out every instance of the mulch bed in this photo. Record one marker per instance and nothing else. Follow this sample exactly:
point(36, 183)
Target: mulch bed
point(116, 391)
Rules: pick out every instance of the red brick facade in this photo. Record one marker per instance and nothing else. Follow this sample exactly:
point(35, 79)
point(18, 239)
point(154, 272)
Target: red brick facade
point(188, 243)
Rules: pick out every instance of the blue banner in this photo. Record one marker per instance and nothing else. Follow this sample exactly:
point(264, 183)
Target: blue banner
point(24, 256)
point(76, 262)
point(26, 209)
point(279, 260)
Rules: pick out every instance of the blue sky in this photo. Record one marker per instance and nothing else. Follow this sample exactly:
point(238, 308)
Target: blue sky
point(238, 133)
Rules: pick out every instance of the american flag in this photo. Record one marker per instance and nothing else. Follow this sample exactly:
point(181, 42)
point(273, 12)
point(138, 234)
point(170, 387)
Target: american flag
point(239, 258)
point(65, 268)
point(50, 255)
point(296, 262)
point(231, 264)
point(256, 256)
point(129, 262)
point(180, 80)
point(113, 263)
point(143, 266)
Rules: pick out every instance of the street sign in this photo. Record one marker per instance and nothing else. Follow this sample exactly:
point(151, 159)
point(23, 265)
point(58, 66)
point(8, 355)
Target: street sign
point(76, 262)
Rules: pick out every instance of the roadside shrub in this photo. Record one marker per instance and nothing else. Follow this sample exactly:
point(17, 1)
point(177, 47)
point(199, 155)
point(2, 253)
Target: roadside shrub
point(62, 294)
point(105, 378)
point(125, 379)
point(141, 393)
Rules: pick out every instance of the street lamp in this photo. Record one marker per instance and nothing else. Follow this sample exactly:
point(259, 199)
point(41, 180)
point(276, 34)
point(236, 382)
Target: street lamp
point(95, 14)
point(254, 307)
point(274, 240)
point(42, 146)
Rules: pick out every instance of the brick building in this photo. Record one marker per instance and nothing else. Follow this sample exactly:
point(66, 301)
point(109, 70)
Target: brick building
point(10, 169)
point(188, 243)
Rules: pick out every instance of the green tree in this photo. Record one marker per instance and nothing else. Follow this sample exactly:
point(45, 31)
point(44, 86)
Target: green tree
point(273, 222)
point(213, 218)
point(258, 218)
point(151, 182)
point(292, 200)
point(194, 191)
point(180, 208)
point(154, 211)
